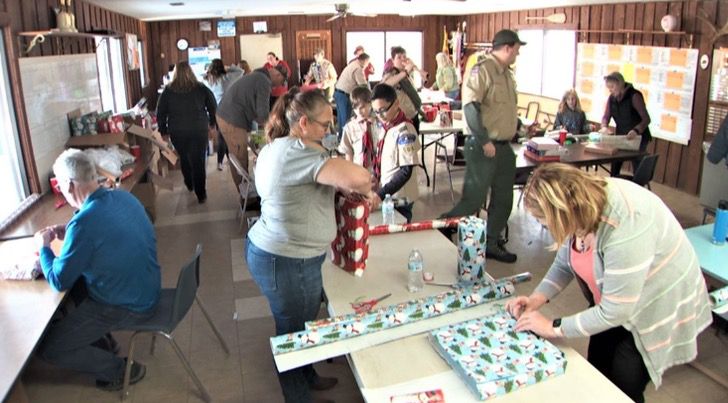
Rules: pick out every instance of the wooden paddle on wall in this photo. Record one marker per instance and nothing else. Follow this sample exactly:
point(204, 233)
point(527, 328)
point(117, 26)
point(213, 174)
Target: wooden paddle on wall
point(557, 18)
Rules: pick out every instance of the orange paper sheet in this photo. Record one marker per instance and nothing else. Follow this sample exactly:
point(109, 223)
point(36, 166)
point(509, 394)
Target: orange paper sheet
point(672, 102)
point(642, 76)
point(588, 51)
point(679, 57)
point(587, 86)
point(586, 104)
point(587, 69)
point(645, 94)
point(615, 52)
point(675, 79)
point(644, 55)
point(668, 123)
point(612, 67)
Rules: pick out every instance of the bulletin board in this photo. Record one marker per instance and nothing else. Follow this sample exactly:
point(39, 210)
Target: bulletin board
point(255, 47)
point(665, 76)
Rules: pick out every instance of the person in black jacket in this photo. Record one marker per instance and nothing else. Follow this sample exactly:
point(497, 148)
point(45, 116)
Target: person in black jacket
point(627, 107)
point(186, 111)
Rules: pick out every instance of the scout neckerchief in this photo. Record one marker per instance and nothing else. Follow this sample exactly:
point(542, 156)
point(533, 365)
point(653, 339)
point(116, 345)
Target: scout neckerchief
point(399, 119)
point(367, 144)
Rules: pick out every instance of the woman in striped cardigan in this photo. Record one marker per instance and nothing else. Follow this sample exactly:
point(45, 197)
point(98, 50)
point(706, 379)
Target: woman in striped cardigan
point(640, 274)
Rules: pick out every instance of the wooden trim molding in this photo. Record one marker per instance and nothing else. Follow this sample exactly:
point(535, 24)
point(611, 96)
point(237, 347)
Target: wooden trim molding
point(26, 146)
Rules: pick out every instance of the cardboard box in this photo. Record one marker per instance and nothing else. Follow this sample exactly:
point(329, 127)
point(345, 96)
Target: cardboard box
point(98, 140)
point(167, 152)
point(147, 195)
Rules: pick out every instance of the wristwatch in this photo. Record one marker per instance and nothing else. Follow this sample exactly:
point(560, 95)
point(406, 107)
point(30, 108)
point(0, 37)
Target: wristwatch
point(557, 327)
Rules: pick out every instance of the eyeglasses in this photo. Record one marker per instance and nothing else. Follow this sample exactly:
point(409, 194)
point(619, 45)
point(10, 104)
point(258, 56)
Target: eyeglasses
point(324, 125)
point(383, 111)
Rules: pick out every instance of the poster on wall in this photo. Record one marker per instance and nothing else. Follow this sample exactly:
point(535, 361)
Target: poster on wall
point(200, 58)
point(132, 52)
point(665, 76)
point(225, 28)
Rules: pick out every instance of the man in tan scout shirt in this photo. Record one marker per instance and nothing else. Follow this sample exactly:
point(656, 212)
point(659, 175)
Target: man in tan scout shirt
point(489, 104)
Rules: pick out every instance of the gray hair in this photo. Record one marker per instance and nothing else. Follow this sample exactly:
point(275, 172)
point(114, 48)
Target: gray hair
point(75, 165)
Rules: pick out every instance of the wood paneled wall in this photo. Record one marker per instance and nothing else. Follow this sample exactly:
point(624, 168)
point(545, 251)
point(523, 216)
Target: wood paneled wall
point(37, 15)
point(163, 37)
point(678, 166)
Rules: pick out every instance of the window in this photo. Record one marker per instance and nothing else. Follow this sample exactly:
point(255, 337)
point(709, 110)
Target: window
point(13, 183)
point(377, 45)
point(546, 64)
point(110, 59)
point(142, 70)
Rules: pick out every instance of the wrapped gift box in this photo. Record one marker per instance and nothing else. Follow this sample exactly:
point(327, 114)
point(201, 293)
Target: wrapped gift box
point(493, 359)
point(350, 248)
point(471, 249)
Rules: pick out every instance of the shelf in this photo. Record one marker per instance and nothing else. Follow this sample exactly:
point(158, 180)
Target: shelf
point(40, 36)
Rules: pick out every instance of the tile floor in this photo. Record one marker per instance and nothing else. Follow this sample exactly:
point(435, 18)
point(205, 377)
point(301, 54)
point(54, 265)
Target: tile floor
point(242, 315)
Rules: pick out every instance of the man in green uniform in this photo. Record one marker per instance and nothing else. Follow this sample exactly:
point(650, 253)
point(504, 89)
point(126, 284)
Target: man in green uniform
point(489, 104)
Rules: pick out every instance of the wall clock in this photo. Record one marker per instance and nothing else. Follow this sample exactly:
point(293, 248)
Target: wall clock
point(182, 44)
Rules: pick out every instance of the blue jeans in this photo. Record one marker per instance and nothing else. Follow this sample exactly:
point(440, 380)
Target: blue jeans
point(68, 343)
point(343, 109)
point(294, 289)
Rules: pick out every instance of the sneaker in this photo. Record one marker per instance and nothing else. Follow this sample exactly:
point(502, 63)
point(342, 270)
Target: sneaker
point(323, 383)
point(219, 166)
point(137, 374)
point(499, 253)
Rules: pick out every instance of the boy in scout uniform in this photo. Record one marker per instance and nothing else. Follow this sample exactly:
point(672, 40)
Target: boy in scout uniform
point(489, 104)
point(397, 151)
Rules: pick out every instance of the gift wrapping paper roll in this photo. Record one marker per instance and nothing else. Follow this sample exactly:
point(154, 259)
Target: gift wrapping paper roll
point(415, 226)
point(350, 248)
point(471, 249)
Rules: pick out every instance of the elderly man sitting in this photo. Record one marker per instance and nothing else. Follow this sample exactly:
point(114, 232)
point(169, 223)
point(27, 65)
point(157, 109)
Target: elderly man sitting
point(110, 248)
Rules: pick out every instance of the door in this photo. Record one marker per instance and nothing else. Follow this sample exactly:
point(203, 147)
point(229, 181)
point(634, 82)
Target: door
point(306, 44)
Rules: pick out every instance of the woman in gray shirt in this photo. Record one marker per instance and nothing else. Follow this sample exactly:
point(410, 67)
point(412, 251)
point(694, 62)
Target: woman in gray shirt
point(296, 180)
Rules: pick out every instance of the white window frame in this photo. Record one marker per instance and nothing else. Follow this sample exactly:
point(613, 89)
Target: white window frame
point(110, 54)
point(14, 184)
point(380, 53)
point(546, 65)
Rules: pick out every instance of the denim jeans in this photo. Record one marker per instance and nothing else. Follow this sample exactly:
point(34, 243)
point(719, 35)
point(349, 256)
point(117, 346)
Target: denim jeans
point(68, 343)
point(343, 109)
point(293, 288)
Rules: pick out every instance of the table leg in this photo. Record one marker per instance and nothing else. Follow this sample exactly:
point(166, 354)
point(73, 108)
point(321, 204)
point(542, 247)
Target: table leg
point(422, 157)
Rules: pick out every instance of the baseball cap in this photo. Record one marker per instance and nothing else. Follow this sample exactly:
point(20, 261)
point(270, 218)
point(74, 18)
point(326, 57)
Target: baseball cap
point(506, 36)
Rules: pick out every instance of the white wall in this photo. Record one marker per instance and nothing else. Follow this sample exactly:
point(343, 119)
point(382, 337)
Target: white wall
point(52, 87)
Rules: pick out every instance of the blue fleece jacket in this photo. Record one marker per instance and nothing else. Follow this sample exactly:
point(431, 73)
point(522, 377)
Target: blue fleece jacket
point(111, 244)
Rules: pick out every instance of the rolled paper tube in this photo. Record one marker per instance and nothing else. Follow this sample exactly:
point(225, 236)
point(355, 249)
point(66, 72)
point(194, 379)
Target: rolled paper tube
point(719, 297)
point(428, 276)
point(415, 226)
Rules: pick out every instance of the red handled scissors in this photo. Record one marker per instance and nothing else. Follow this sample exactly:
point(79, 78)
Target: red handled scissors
point(366, 306)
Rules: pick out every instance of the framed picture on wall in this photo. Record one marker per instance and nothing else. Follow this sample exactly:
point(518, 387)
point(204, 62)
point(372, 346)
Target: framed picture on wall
point(225, 28)
point(132, 52)
point(205, 25)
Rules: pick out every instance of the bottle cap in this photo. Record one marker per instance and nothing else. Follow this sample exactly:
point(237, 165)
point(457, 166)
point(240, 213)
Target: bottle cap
point(428, 276)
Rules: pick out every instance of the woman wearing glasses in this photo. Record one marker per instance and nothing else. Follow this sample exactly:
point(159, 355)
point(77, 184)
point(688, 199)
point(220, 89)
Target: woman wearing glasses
point(286, 247)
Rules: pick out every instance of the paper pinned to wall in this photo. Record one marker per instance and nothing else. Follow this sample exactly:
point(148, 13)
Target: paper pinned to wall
point(665, 76)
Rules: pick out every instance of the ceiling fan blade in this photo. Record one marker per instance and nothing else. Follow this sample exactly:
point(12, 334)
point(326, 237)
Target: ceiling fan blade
point(336, 16)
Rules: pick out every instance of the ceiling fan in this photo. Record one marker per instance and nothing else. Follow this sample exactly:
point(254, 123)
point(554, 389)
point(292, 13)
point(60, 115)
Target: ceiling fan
point(342, 11)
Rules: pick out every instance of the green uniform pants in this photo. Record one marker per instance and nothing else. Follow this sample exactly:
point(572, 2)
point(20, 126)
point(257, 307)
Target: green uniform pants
point(482, 173)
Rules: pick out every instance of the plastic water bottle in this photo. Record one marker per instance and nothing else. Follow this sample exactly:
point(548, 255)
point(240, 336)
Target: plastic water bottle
point(388, 210)
point(415, 265)
point(720, 227)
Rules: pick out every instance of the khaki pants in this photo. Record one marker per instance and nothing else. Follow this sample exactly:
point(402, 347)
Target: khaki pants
point(237, 142)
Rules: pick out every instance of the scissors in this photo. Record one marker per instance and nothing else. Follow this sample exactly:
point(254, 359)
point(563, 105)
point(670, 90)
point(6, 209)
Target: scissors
point(366, 306)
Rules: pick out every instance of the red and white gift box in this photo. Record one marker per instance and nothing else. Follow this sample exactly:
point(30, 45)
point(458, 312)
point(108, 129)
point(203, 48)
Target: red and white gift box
point(350, 248)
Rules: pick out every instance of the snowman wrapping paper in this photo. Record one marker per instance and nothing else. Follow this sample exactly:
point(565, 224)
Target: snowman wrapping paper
point(471, 249)
point(493, 359)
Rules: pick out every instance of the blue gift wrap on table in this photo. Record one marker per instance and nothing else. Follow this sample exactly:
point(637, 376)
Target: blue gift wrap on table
point(471, 249)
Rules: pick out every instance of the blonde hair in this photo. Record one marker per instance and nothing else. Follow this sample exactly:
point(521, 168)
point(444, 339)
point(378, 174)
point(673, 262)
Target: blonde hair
point(563, 105)
point(567, 200)
point(442, 59)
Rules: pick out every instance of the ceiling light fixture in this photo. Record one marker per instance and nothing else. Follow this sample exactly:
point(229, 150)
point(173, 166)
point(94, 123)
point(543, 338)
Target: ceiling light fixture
point(177, 4)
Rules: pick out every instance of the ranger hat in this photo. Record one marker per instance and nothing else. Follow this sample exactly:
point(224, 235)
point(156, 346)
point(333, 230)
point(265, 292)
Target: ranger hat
point(506, 37)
